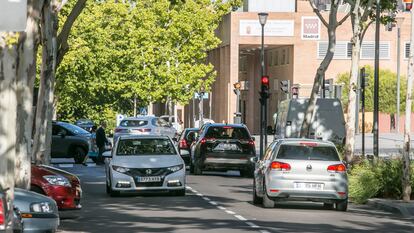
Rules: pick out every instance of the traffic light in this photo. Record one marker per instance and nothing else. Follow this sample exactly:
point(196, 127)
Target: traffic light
point(408, 4)
point(285, 86)
point(265, 86)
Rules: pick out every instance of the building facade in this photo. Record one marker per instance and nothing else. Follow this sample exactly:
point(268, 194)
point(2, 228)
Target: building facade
point(295, 44)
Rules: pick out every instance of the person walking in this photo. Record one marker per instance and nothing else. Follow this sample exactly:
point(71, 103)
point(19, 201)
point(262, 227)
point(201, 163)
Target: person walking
point(101, 141)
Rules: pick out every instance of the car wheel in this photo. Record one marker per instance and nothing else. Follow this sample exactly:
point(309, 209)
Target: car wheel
point(79, 155)
point(256, 199)
point(94, 159)
point(248, 173)
point(267, 202)
point(328, 206)
point(112, 192)
point(108, 188)
point(342, 205)
point(180, 192)
point(191, 168)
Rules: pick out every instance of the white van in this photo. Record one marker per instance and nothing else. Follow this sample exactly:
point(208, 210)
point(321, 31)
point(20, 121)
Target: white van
point(328, 122)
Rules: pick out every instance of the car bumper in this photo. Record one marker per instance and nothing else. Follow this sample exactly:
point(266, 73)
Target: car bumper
point(41, 225)
point(223, 163)
point(279, 188)
point(67, 198)
point(171, 182)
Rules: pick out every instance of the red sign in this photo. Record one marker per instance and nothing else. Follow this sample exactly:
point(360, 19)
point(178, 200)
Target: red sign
point(311, 28)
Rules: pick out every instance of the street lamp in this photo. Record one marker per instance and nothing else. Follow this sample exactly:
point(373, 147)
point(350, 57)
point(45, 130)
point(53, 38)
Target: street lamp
point(399, 21)
point(376, 77)
point(263, 98)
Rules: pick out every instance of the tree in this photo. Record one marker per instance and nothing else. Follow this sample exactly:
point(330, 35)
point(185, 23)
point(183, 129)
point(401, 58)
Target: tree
point(331, 26)
point(53, 47)
point(362, 16)
point(406, 182)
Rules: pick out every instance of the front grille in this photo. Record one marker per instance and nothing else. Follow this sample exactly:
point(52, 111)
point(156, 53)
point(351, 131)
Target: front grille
point(149, 184)
point(143, 172)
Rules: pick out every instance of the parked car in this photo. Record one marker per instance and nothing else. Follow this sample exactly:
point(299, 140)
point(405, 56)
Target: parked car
point(7, 221)
point(178, 125)
point(301, 169)
point(70, 141)
point(223, 147)
point(40, 213)
point(187, 137)
point(85, 124)
point(144, 163)
point(144, 125)
point(60, 185)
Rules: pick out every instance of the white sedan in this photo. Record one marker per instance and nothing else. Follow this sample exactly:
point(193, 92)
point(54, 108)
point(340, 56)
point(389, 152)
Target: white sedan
point(144, 163)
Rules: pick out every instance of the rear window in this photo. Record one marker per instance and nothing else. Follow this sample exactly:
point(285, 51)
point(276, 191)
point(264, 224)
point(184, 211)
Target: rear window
point(302, 152)
point(147, 146)
point(73, 128)
point(133, 123)
point(227, 132)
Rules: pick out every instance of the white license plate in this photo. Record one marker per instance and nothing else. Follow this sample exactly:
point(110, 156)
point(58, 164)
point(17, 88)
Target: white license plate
point(308, 186)
point(226, 146)
point(149, 179)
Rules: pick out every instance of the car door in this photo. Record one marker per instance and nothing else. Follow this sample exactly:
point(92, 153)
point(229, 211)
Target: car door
point(261, 167)
point(58, 141)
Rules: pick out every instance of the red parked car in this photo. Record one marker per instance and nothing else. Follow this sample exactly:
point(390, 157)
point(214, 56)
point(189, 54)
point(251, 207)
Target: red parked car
point(60, 185)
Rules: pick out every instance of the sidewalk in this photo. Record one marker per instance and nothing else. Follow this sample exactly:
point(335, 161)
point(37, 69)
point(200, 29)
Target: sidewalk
point(405, 209)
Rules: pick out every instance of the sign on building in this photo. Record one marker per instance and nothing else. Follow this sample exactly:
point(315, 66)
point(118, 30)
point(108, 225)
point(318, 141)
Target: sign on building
point(311, 28)
point(13, 15)
point(272, 28)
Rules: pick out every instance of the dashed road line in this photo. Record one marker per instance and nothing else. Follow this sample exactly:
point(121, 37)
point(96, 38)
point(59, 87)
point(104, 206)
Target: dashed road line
point(239, 217)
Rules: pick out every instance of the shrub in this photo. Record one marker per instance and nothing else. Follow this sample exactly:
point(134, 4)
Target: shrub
point(363, 183)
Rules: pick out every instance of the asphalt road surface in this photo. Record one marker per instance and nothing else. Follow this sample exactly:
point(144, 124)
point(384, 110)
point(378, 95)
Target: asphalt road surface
point(215, 202)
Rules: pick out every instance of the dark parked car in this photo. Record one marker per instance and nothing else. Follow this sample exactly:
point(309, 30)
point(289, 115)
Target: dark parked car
point(61, 186)
point(85, 124)
point(187, 137)
point(70, 141)
point(223, 147)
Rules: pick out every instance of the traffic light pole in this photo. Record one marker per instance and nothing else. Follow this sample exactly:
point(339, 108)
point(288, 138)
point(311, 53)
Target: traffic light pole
point(262, 98)
point(376, 78)
point(362, 77)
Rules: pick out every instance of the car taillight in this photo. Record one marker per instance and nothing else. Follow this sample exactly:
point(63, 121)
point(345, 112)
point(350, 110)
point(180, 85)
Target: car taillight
point(2, 213)
point(279, 166)
point(204, 140)
point(339, 168)
point(183, 144)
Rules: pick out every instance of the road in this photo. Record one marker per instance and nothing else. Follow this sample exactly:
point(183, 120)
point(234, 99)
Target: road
point(215, 202)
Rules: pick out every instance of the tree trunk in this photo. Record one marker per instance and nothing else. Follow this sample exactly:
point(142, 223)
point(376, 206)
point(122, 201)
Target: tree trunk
point(8, 73)
point(44, 112)
point(406, 184)
point(26, 75)
point(320, 73)
point(350, 122)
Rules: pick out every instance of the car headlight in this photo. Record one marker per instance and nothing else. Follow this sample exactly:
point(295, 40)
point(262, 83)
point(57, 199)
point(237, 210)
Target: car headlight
point(42, 207)
point(58, 180)
point(120, 169)
point(175, 168)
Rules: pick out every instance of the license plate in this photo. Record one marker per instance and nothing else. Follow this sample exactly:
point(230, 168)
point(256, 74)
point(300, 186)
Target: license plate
point(308, 186)
point(149, 179)
point(226, 146)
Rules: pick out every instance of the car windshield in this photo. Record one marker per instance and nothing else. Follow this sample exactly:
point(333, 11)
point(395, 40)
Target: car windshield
point(74, 129)
point(303, 152)
point(84, 122)
point(133, 123)
point(227, 132)
point(145, 146)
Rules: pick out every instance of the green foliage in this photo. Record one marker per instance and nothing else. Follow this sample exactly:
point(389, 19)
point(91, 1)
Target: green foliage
point(387, 90)
point(383, 179)
point(153, 50)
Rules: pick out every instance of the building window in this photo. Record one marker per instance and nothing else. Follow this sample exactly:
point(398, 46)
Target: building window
point(283, 57)
point(343, 50)
point(277, 58)
point(407, 50)
point(368, 50)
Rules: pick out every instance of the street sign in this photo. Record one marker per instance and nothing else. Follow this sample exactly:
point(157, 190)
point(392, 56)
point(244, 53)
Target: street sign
point(197, 95)
point(119, 118)
point(13, 15)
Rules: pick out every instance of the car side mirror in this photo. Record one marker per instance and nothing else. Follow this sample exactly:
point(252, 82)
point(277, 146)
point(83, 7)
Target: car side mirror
point(107, 154)
point(254, 159)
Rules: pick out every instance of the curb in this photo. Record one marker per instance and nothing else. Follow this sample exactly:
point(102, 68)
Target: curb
point(390, 207)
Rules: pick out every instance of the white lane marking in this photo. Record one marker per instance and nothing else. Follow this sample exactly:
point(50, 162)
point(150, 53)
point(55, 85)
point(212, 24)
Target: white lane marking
point(221, 207)
point(252, 225)
point(230, 212)
point(264, 231)
point(65, 165)
point(213, 202)
point(239, 217)
point(206, 199)
point(199, 194)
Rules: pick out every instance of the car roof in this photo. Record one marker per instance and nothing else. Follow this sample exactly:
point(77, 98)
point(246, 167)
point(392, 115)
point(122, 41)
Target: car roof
point(139, 118)
point(300, 140)
point(144, 137)
point(223, 124)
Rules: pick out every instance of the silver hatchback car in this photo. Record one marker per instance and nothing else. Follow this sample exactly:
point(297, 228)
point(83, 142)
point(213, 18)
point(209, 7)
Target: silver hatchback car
point(144, 163)
point(302, 170)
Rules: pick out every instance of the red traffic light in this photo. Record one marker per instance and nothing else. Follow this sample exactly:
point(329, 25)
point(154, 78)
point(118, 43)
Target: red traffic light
point(265, 80)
